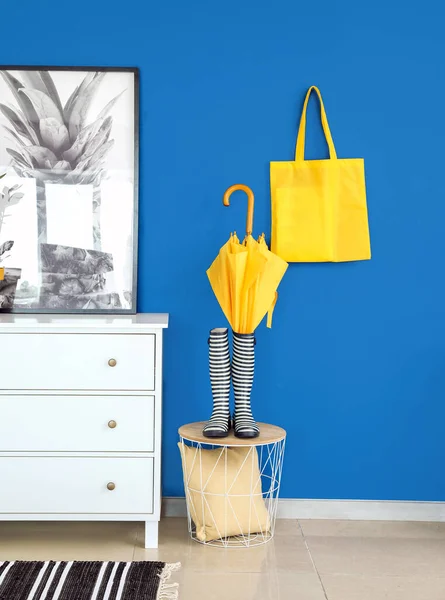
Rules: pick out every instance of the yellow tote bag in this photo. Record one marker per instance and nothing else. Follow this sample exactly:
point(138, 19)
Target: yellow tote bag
point(319, 209)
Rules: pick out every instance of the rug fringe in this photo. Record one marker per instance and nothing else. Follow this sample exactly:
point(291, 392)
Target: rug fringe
point(168, 591)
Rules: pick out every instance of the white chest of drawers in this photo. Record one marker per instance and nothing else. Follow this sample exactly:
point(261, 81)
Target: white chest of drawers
point(80, 418)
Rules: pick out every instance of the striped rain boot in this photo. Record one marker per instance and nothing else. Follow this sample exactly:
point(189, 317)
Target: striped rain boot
point(219, 362)
point(243, 364)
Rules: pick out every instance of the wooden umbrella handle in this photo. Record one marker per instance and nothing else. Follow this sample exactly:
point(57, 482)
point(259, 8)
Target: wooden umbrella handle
point(250, 202)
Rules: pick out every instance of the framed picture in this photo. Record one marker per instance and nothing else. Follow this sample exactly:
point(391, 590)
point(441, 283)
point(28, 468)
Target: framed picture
point(68, 189)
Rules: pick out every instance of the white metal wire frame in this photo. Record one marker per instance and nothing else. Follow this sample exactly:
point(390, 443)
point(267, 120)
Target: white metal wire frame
point(269, 459)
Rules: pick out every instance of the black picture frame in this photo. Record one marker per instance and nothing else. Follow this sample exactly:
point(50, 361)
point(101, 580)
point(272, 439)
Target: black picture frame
point(132, 309)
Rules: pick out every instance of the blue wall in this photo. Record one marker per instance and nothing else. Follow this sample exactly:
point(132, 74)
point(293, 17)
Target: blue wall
point(354, 365)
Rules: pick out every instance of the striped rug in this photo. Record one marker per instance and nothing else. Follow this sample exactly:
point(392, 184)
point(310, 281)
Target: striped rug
point(59, 580)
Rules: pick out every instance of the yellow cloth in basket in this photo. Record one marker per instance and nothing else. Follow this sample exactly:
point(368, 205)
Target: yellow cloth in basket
point(224, 493)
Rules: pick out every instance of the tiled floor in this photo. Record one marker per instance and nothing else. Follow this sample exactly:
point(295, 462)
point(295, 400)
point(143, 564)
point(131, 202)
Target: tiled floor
point(307, 560)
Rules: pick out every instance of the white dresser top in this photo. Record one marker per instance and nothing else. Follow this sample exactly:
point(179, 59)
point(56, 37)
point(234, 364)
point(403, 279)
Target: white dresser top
point(47, 323)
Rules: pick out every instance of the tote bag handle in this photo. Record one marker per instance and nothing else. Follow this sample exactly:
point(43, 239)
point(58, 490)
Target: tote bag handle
point(301, 138)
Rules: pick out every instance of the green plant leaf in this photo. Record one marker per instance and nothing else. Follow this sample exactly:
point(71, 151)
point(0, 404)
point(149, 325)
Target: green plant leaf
point(19, 125)
point(54, 135)
point(44, 106)
point(82, 104)
point(24, 103)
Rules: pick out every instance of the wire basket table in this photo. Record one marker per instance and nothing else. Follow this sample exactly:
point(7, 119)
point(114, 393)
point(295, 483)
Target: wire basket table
point(232, 485)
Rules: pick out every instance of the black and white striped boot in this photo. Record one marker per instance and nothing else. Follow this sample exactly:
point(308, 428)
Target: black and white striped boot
point(219, 363)
point(243, 364)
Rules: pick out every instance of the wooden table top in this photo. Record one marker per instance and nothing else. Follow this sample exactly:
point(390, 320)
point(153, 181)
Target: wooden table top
point(269, 434)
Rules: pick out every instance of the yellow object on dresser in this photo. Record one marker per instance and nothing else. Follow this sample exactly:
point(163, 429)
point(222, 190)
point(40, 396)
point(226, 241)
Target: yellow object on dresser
point(319, 211)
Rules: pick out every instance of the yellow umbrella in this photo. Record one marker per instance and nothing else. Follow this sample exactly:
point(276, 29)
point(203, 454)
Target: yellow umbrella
point(245, 277)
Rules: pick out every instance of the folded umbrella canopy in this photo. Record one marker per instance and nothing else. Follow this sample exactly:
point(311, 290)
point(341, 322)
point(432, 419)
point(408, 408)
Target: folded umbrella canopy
point(245, 277)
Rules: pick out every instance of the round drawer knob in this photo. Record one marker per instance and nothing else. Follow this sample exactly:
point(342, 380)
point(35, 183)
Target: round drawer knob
point(111, 486)
point(112, 362)
point(112, 424)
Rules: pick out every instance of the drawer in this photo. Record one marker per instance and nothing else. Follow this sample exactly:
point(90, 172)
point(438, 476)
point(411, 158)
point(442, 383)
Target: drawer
point(76, 485)
point(77, 423)
point(79, 361)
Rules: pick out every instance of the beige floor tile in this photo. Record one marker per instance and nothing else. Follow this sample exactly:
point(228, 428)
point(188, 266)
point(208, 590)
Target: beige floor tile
point(287, 527)
point(283, 553)
point(391, 529)
point(357, 587)
point(249, 586)
point(356, 560)
point(378, 556)
point(67, 541)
